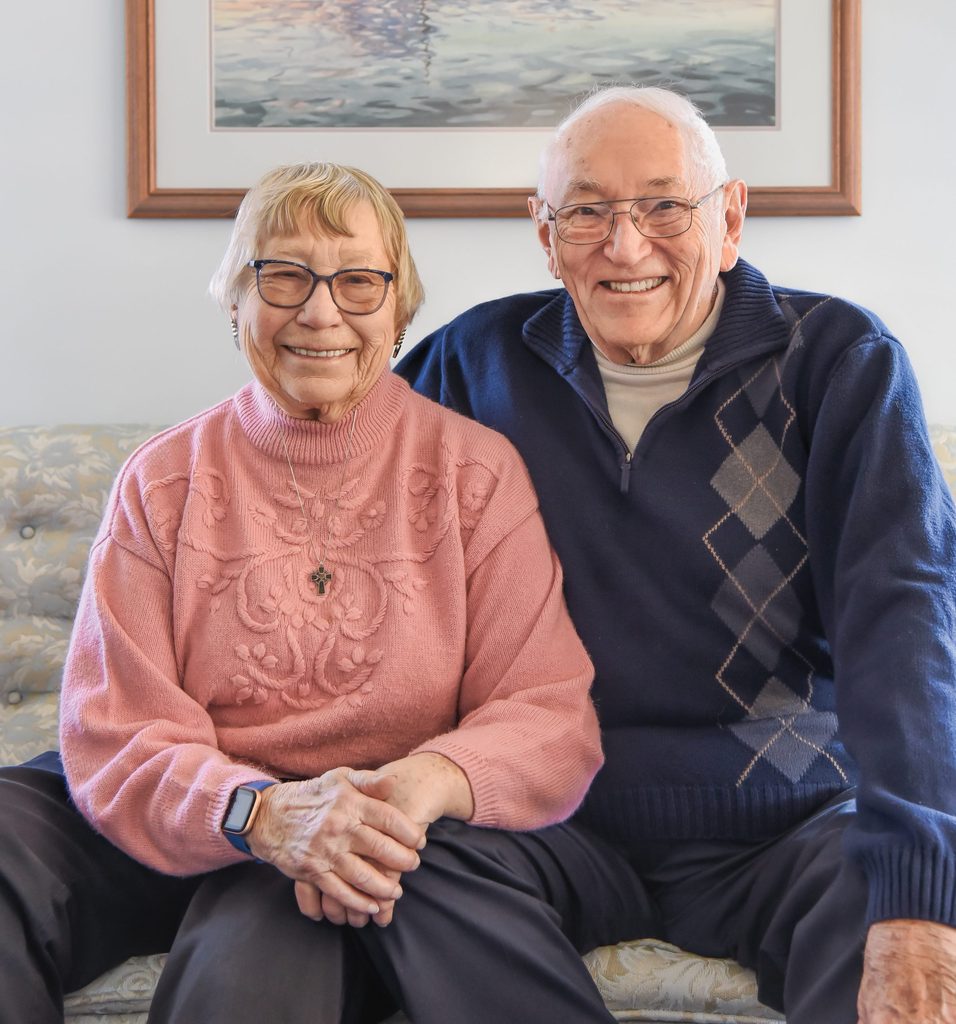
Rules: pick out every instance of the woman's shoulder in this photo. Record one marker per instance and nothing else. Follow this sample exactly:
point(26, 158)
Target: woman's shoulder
point(160, 470)
point(482, 469)
point(464, 436)
point(176, 445)
point(152, 485)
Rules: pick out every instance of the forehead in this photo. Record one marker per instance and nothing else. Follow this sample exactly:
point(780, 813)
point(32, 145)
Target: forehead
point(313, 239)
point(618, 151)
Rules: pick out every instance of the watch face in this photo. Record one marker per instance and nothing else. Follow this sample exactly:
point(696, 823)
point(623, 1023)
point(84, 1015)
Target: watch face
point(243, 800)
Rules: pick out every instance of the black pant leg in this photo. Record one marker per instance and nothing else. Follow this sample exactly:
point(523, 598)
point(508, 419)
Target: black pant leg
point(792, 909)
point(810, 955)
point(244, 954)
point(492, 924)
point(72, 905)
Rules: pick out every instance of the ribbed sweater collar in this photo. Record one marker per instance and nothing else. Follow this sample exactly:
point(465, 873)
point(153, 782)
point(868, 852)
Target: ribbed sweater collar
point(312, 442)
point(751, 322)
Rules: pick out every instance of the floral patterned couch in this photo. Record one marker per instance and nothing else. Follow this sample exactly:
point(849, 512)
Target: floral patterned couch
point(53, 485)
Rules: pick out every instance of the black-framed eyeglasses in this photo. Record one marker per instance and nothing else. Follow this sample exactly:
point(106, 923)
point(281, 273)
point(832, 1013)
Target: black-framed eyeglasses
point(287, 284)
point(653, 216)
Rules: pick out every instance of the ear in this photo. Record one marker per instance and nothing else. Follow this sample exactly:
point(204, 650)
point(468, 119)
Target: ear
point(735, 211)
point(543, 228)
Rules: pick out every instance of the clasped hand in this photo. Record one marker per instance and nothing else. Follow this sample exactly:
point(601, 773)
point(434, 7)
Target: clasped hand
point(337, 835)
point(347, 837)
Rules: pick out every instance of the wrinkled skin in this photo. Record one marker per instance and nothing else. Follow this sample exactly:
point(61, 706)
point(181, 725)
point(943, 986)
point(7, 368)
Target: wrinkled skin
point(347, 836)
point(909, 974)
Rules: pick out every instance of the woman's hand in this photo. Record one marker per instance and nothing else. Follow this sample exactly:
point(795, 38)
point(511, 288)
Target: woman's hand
point(320, 906)
point(429, 786)
point(426, 786)
point(339, 834)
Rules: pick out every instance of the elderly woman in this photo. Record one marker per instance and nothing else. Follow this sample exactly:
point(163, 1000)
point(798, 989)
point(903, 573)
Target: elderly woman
point(318, 618)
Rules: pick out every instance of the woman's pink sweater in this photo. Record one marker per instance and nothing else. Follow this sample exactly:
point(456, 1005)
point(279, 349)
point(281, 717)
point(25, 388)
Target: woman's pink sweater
point(203, 657)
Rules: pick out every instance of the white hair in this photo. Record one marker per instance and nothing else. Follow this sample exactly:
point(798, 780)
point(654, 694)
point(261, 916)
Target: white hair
point(700, 143)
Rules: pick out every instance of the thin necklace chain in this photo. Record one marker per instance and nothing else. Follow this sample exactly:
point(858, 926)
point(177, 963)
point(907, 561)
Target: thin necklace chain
point(321, 575)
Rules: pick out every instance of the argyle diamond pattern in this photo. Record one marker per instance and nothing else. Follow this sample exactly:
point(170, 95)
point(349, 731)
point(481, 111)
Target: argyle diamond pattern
point(757, 482)
point(756, 601)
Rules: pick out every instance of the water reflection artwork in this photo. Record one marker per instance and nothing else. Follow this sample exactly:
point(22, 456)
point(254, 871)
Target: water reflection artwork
point(483, 63)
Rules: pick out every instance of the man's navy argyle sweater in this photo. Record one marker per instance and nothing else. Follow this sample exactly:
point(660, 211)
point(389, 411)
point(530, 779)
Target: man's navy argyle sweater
point(766, 584)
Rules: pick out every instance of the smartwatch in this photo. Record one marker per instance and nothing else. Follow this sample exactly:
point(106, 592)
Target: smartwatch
point(241, 813)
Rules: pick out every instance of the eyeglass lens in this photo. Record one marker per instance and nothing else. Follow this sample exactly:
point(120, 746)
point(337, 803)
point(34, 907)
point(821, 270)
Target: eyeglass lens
point(655, 218)
point(353, 291)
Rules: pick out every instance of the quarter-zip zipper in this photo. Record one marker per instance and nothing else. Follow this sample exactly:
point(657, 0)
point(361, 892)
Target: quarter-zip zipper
point(612, 431)
point(627, 462)
point(626, 473)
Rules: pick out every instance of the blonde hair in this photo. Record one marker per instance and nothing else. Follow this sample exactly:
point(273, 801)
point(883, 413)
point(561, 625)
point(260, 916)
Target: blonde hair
point(316, 197)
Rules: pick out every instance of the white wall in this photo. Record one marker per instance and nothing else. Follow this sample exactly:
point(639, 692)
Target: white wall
point(107, 318)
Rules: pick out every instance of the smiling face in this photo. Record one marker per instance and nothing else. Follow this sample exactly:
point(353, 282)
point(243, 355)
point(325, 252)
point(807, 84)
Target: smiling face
point(316, 361)
point(638, 298)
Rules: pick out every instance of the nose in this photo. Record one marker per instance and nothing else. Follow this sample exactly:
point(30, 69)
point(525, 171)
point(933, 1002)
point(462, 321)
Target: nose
point(320, 310)
point(625, 244)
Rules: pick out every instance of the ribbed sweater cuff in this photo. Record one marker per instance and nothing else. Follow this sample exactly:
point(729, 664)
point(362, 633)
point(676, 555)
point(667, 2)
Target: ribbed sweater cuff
point(911, 883)
point(634, 813)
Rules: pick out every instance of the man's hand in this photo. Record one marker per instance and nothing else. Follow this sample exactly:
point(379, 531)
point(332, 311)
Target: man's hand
point(909, 974)
point(339, 834)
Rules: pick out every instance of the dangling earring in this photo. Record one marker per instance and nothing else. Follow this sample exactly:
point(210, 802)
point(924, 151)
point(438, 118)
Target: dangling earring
point(398, 344)
point(235, 331)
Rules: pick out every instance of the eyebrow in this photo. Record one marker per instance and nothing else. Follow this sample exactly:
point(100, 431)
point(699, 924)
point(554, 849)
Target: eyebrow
point(578, 185)
point(351, 259)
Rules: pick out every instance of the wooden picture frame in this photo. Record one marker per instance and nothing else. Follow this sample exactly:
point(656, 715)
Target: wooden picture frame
point(146, 197)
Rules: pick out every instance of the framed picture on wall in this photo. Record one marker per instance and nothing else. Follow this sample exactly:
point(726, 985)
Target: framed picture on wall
point(449, 103)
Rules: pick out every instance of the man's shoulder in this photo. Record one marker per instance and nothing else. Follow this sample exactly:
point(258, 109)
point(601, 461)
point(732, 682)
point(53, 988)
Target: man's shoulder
point(753, 298)
point(481, 344)
point(808, 310)
point(508, 314)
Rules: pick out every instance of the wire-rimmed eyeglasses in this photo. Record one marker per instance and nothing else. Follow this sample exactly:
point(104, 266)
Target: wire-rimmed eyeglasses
point(653, 216)
point(287, 284)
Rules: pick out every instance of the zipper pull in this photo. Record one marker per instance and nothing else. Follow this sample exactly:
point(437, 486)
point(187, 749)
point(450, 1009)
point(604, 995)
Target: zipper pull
point(626, 473)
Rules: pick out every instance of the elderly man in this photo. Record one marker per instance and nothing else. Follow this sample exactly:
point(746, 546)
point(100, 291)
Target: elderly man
point(760, 555)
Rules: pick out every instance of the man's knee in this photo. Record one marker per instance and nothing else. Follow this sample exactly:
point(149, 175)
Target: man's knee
point(588, 889)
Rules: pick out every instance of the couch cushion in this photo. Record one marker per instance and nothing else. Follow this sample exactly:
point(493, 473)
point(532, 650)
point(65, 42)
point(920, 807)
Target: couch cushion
point(944, 445)
point(668, 985)
point(54, 482)
point(28, 727)
point(122, 993)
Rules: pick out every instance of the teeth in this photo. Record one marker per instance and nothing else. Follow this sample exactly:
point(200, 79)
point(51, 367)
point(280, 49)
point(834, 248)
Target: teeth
point(312, 354)
point(635, 286)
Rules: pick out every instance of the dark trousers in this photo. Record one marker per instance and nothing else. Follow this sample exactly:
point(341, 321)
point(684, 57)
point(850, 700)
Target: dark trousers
point(792, 909)
point(72, 905)
point(490, 927)
point(496, 906)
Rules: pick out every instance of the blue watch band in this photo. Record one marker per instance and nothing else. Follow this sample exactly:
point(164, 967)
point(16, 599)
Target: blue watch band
point(239, 842)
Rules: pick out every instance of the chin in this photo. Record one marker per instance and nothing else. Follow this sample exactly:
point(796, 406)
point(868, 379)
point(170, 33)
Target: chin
point(312, 395)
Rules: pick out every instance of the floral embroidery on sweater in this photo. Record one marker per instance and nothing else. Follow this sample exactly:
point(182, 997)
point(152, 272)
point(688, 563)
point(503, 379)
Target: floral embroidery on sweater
point(302, 649)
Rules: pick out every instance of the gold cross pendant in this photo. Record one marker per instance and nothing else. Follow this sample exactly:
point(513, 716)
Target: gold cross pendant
point(320, 577)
